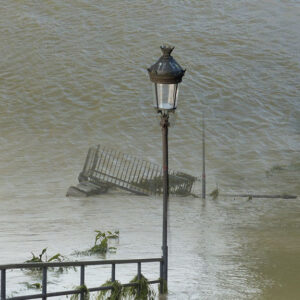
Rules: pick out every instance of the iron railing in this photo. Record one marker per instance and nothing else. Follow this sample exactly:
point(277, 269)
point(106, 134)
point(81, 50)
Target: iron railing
point(82, 264)
point(105, 167)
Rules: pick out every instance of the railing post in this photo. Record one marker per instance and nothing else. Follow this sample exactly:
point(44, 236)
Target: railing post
point(44, 283)
point(82, 281)
point(3, 284)
point(139, 276)
point(113, 272)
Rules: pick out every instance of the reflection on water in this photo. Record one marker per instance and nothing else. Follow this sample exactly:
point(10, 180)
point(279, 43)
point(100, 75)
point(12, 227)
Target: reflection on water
point(74, 74)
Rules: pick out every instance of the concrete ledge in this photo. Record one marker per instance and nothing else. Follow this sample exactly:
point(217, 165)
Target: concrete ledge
point(85, 189)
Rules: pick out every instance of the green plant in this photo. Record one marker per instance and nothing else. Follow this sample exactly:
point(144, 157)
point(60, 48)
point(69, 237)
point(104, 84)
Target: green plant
point(82, 289)
point(35, 285)
point(101, 246)
point(42, 258)
point(115, 293)
point(112, 249)
point(101, 243)
point(113, 235)
point(141, 291)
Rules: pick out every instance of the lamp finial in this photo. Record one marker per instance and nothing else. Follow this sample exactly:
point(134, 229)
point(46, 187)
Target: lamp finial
point(166, 50)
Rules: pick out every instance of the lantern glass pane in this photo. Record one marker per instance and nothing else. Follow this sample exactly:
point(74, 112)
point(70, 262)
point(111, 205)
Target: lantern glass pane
point(155, 96)
point(165, 97)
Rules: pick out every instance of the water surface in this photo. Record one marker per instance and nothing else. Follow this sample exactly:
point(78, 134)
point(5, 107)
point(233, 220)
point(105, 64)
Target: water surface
point(73, 74)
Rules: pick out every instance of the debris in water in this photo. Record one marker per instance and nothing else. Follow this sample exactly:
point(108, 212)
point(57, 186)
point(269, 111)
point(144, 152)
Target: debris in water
point(106, 168)
point(214, 194)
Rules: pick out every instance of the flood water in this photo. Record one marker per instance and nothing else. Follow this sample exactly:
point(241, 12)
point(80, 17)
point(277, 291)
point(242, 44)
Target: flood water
point(73, 74)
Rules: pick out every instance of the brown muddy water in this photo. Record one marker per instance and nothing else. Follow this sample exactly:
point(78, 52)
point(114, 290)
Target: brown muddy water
point(73, 74)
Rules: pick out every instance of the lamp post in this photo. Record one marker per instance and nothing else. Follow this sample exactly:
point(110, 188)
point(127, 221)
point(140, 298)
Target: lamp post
point(166, 74)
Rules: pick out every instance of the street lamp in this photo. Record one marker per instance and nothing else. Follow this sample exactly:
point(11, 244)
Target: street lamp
point(166, 74)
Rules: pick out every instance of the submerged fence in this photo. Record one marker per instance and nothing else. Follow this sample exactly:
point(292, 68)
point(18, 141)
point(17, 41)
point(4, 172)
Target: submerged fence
point(82, 264)
point(107, 167)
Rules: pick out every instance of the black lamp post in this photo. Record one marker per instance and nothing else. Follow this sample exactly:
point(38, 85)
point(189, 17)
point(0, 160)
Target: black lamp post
point(166, 74)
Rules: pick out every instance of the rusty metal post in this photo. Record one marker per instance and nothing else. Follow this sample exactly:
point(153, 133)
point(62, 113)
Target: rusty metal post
point(164, 126)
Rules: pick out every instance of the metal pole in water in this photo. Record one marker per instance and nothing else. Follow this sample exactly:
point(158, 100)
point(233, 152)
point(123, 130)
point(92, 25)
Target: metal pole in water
point(164, 126)
point(203, 160)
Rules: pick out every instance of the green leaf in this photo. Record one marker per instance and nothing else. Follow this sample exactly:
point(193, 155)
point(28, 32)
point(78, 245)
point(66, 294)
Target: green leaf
point(55, 257)
point(36, 285)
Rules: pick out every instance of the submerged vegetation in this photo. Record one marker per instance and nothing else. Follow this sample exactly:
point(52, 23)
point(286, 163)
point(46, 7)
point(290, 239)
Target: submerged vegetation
point(116, 293)
point(82, 289)
point(43, 258)
point(101, 244)
point(140, 291)
point(36, 285)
